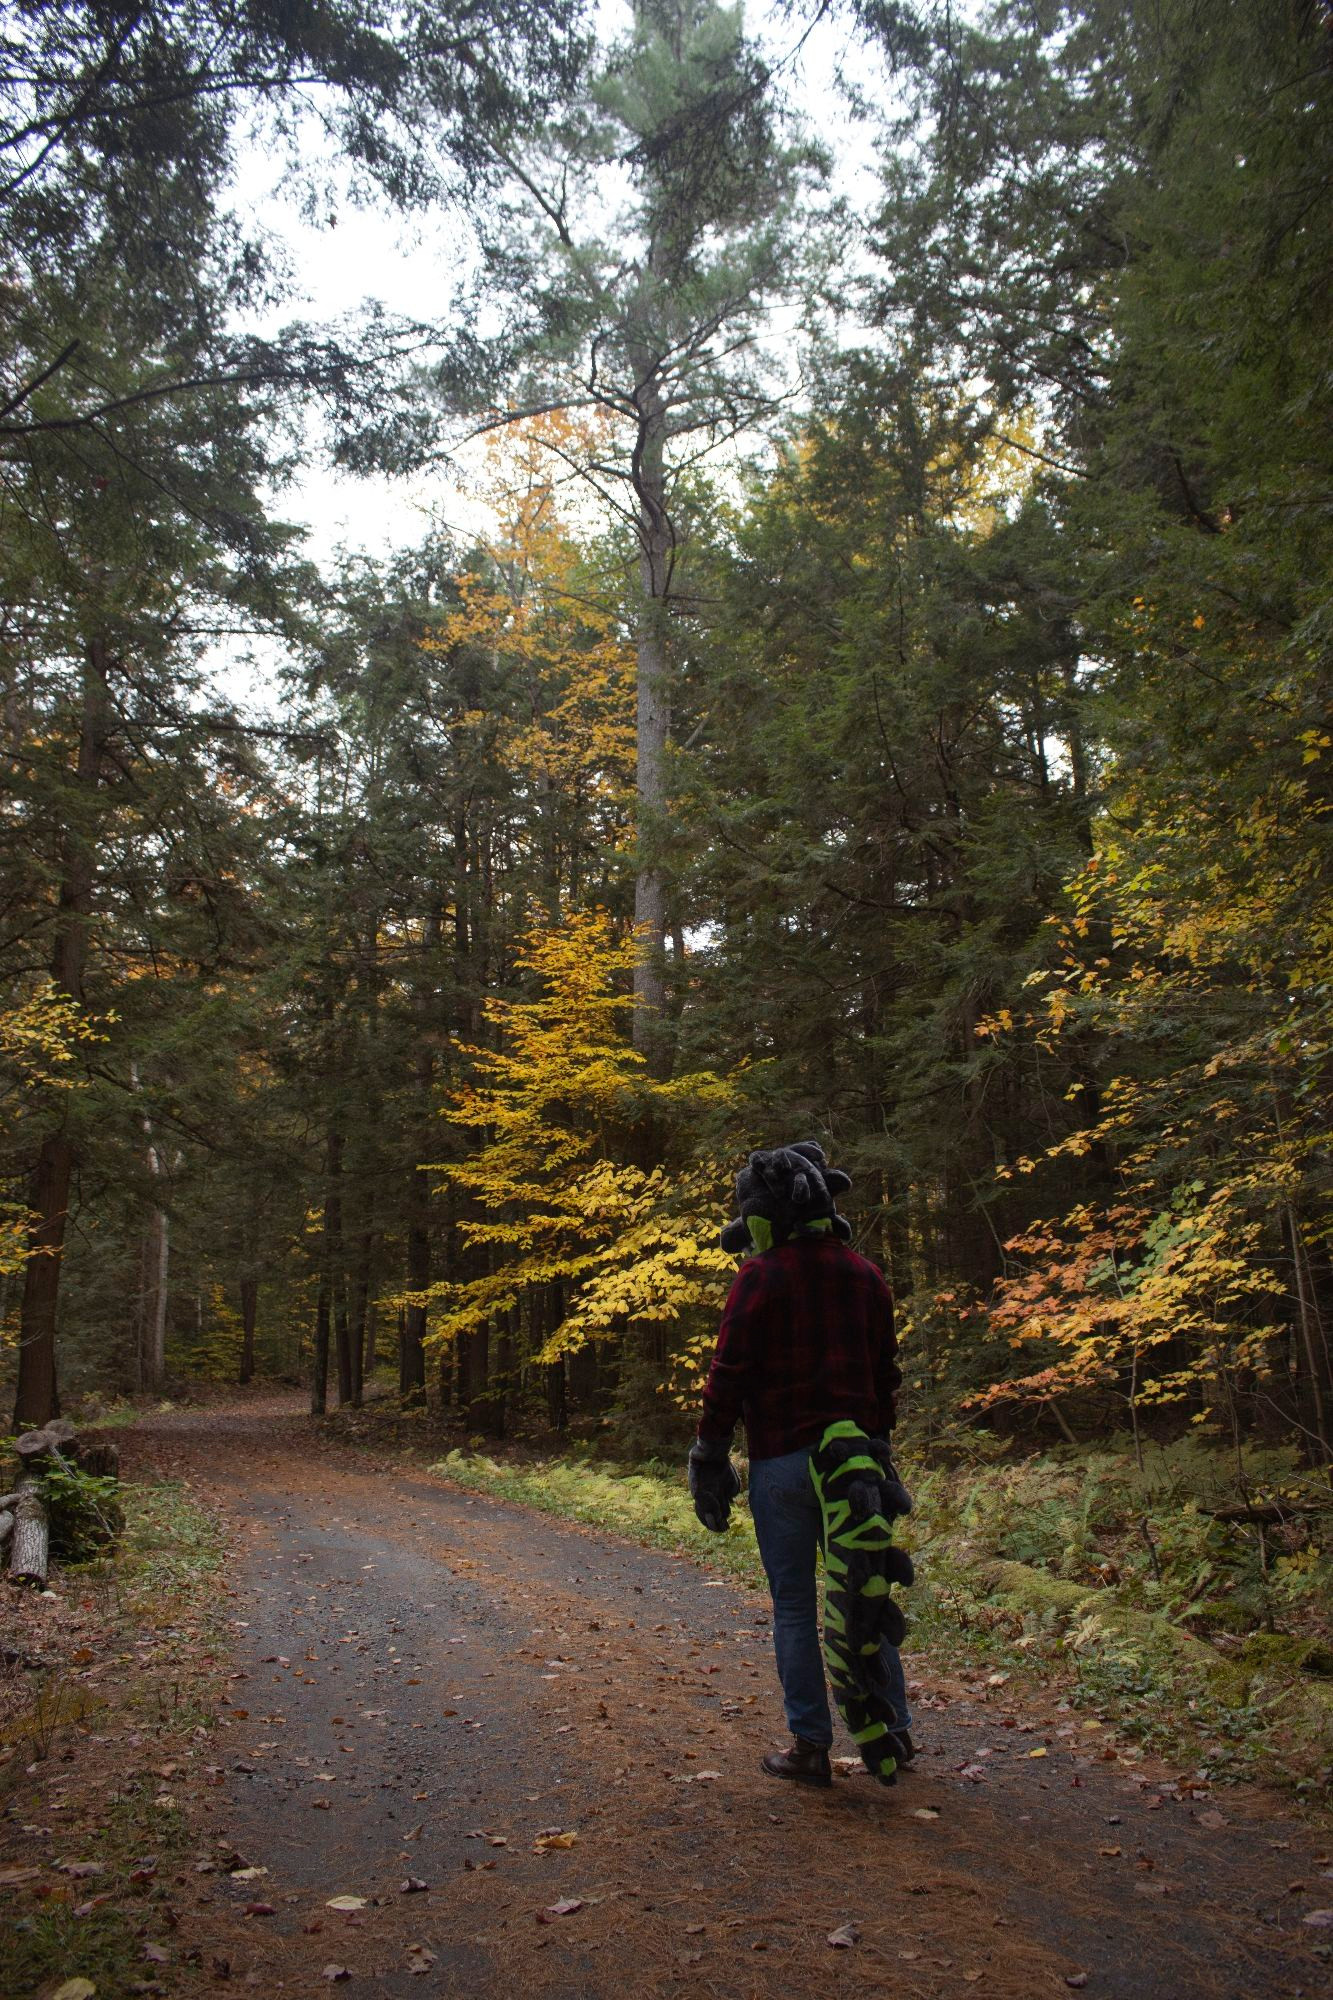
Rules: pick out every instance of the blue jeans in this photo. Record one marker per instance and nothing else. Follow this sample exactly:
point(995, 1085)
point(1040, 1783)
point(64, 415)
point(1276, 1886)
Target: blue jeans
point(788, 1525)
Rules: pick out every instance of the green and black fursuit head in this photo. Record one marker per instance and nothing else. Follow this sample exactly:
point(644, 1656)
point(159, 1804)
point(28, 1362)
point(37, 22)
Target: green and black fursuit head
point(861, 1495)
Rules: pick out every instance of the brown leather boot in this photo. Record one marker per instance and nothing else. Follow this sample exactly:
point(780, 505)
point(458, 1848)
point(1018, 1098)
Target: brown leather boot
point(806, 1762)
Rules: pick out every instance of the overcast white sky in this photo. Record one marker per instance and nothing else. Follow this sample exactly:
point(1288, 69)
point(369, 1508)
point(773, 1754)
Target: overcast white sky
point(411, 266)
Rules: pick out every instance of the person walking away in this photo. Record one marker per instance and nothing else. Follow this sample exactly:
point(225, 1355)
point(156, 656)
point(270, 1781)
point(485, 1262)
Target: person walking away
point(806, 1339)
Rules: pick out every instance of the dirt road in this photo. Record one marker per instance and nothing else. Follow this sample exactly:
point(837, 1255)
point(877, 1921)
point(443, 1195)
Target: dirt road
point(440, 1689)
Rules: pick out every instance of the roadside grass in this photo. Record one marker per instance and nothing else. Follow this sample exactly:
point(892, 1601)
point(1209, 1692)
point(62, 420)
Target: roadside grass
point(1203, 1640)
point(646, 1504)
point(96, 1927)
point(147, 1632)
point(172, 1549)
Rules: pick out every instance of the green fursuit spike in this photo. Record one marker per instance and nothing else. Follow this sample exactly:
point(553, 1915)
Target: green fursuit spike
point(861, 1566)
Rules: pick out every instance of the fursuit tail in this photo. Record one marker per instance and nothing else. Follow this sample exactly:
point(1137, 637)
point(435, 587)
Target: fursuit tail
point(859, 1495)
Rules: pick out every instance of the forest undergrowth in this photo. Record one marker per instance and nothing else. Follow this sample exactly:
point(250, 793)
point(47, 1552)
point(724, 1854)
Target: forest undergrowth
point(108, 1700)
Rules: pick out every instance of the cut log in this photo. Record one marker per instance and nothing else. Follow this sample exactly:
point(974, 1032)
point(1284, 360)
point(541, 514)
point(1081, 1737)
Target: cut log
point(29, 1546)
point(33, 1446)
point(102, 1459)
point(62, 1431)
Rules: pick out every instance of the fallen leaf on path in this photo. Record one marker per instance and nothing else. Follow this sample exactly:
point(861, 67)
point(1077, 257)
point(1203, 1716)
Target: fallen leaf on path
point(1151, 1889)
point(973, 1977)
point(411, 1885)
point(156, 1954)
point(78, 1869)
point(566, 1906)
point(545, 1841)
point(420, 1958)
point(1323, 1918)
point(924, 1812)
point(845, 1935)
point(11, 1878)
point(261, 1910)
point(1040, 1751)
point(335, 1972)
point(1211, 1818)
point(497, 1840)
point(1076, 1979)
point(346, 1903)
point(974, 1773)
point(1110, 1852)
point(247, 1874)
point(75, 1989)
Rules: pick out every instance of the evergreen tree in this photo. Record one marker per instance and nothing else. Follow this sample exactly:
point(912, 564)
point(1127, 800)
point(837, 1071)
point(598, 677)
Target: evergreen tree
point(648, 239)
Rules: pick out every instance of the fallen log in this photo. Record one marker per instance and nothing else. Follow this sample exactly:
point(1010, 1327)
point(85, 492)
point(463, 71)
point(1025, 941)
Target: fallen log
point(1265, 1514)
point(6, 1523)
point(30, 1545)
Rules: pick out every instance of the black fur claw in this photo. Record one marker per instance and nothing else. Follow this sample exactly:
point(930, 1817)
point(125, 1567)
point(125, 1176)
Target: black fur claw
point(714, 1483)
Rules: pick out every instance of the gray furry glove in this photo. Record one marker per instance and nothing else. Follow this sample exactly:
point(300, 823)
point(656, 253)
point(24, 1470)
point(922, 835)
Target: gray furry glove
point(714, 1483)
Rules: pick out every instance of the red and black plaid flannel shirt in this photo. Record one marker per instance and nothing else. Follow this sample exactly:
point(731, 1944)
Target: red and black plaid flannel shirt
point(806, 1338)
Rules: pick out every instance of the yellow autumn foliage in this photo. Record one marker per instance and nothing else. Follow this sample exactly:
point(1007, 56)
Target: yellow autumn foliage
point(589, 1174)
point(41, 1031)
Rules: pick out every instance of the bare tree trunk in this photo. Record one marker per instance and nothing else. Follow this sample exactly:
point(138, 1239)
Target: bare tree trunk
point(153, 1346)
point(332, 1236)
point(151, 1360)
point(319, 1380)
point(37, 1398)
point(342, 1340)
point(412, 1355)
point(557, 1409)
point(360, 1314)
point(249, 1314)
point(412, 1350)
point(1311, 1332)
point(337, 1283)
point(656, 562)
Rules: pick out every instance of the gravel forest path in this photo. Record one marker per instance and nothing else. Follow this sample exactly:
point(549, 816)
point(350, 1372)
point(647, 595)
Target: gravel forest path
point(434, 1687)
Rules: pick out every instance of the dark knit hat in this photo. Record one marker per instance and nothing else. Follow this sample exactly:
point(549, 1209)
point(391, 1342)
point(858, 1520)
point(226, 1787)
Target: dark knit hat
point(789, 1187)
